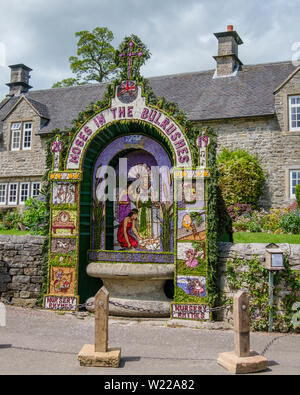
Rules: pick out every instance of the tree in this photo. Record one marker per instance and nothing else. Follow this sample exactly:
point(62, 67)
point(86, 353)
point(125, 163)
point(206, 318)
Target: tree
point(94, 60)
point(241, 177)
point(137, 62)
point(66, 83)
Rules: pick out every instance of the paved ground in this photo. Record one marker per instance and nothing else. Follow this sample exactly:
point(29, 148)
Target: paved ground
point(43, 342)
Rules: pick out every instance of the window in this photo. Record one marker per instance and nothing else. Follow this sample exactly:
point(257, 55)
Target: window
point(35, 189)
point(24, 192)
point(15, 136)
point(12, 193)
point(294, 181)
point(21, 136)
point(294, 102)
point(27, 130)
point(2, 194)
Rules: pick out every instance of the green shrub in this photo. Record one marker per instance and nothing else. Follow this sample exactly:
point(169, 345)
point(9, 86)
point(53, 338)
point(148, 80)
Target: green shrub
point(297, 193)
point(290, 223)
point(240, 177)
point(254, 227)
point(12, 219)
point(270, 222)
point(35, 216)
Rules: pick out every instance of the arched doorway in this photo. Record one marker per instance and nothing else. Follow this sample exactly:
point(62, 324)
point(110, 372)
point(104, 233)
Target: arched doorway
point(141, 148)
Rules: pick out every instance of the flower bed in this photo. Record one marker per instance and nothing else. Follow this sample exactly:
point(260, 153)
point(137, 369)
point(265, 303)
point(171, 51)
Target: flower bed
point(277, 221)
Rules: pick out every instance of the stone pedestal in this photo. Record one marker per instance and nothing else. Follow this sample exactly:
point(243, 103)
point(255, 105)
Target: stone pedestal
point(238, 365)
point(90, 358)
point(136, 285)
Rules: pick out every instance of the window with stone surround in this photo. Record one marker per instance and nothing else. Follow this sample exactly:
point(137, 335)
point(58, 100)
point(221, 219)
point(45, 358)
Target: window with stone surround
point(21, 136)
point(3, 194)
point(12, 193)
point(35, 189)
point(24, 192)
point(294, 181)
point(294, 110)
point(27, 131)
point(15, 136)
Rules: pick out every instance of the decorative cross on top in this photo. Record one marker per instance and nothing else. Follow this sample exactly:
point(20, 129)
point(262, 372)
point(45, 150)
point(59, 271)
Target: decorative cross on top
point(131, 54)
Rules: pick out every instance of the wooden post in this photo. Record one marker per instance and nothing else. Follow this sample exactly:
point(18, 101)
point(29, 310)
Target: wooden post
point(241, 324)
point(101, 320)
point(242, 359)
point(99, 354)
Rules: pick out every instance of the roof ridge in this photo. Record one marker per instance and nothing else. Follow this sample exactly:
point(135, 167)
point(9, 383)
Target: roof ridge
point(92, 85)
point(268, 63)
point(180, 74)
point(68, 87)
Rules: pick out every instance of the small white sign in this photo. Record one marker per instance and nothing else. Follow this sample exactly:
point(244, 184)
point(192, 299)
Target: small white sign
point(277, 260)
point(63, 303)
point(190, 311)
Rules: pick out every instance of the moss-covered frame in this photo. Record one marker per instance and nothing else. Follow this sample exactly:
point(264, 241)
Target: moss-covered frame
point(82, 176)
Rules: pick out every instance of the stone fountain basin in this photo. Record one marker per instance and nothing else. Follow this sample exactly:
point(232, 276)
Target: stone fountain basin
point(142, 271)
point(138, 285)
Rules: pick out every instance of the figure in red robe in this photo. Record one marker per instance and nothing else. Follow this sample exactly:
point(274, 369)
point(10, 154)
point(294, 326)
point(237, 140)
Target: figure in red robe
point(125, 230)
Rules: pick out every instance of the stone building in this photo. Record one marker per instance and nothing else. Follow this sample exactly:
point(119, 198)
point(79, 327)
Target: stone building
point(253, 107)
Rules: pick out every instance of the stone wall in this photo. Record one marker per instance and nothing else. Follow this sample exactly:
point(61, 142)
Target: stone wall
point(247, 251)
point(20, 269)
point(21, 258)
point(277, 152)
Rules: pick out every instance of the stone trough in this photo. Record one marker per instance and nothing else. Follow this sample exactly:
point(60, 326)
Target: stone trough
point(140, 286)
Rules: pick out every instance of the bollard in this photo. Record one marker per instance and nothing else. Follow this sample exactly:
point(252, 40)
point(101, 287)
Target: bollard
point(98, 354)
point(101, 320)
point(242, 359)
point(241, 324)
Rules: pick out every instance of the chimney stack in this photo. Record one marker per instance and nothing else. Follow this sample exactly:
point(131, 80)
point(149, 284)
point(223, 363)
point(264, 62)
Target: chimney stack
point(227, 59)
point(19, 79)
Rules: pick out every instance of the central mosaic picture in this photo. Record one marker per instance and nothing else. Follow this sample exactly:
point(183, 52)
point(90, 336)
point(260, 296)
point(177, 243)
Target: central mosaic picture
point(133, 220)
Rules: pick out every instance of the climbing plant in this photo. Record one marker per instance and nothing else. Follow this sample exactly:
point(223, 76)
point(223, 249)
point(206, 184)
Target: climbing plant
point(252, 275)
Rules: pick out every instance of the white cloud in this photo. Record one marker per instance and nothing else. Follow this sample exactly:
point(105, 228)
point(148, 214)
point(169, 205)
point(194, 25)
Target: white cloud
point(178, 33)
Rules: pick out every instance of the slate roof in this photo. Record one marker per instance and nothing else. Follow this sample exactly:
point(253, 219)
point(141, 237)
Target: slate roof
point(249, 93)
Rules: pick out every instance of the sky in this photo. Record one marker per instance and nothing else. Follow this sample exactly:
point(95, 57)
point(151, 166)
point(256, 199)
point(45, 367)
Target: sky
point(178, 33)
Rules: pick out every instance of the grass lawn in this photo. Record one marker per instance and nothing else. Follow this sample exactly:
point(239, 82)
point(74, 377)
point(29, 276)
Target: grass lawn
point(13, 232)
point(246, 237)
